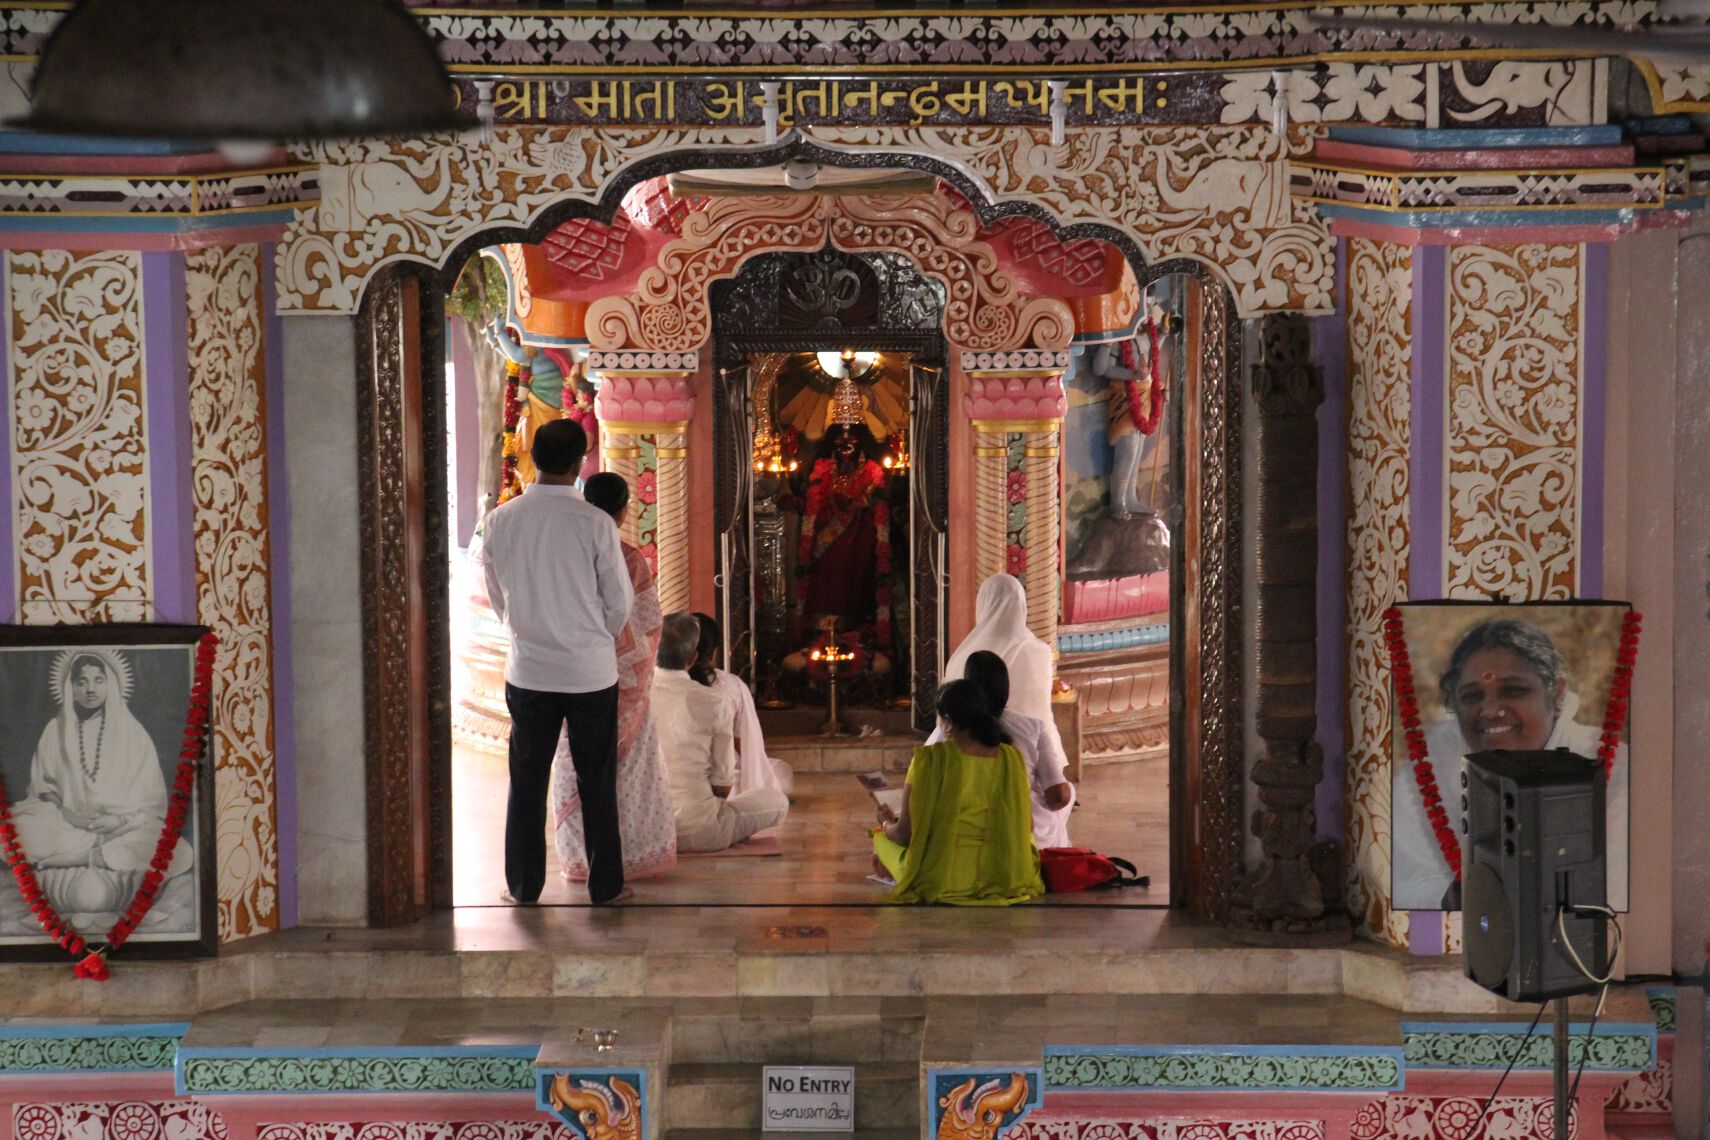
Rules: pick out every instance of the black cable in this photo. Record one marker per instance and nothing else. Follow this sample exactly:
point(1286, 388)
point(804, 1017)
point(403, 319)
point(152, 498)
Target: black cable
point(1518, 1051)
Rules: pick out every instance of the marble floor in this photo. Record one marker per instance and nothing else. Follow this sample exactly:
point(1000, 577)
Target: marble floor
point(1124, 810)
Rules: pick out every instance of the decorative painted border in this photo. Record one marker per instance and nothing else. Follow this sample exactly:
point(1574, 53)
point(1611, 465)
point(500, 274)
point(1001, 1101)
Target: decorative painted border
point(618, 1099)
point(1270, 1068)
point(89, 1048)
point(1127, 637)
point(630, 360)
point(380, 1069)
point(1627, 188)
point(1031, 359)
point(1618, 1047)
point(169, 195)
point(1662, 1007)
point(971, 1093)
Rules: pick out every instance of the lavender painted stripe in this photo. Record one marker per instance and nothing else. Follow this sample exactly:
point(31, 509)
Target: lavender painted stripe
point(166, 380)
point(279, 546)
point(1593, 411)
point(8, 548)
point(1425, 476)
point(1425, 932)
point(1330, 351)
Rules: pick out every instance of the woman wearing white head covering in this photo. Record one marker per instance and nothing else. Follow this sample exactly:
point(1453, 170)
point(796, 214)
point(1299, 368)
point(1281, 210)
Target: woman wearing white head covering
point(97, 796)
point(1000, 625)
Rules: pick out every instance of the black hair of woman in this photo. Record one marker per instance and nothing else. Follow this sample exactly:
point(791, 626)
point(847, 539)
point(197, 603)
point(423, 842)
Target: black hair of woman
point(987, 670)
point(706, 653)
point(964, 705)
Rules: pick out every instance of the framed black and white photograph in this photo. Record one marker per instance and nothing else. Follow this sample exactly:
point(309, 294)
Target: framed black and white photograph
point(1516, 677)
point(90, 746)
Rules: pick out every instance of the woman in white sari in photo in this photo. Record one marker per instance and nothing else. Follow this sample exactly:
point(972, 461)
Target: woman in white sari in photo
point(754, 768)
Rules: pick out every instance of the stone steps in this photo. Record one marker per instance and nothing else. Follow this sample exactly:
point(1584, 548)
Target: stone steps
point(844, 753)
point(728, 1095)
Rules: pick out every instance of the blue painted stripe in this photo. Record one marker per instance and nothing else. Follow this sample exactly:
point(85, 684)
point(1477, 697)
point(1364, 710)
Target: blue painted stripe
point(1604, 1029)
point(1413, 138)
point(1224, 1050)
point(1516, 217)
point(157, 224)
point(1113, 639)
point(29, 142)
point(238, 1053)
point(80, 1029)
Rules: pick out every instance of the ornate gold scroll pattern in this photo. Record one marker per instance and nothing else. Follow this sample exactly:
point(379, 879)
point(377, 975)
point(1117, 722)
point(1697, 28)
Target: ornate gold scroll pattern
point(1514, 410)
point(79, 442)
point(1380, 361)
point(228, 456)
point(1216, 194)
point(984, 309)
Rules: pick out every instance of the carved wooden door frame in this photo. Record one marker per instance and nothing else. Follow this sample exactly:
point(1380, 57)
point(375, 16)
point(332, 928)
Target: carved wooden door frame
point(405, 599)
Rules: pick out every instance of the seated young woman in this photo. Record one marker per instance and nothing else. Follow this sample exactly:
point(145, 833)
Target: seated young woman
point(965, 832)
point(1040, 747)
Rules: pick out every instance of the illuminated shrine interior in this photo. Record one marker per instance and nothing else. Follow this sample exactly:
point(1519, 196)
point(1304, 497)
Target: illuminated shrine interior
point(1164, 553)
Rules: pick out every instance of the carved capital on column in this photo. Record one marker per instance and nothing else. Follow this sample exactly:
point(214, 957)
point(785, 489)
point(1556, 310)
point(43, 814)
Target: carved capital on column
point(1022, 385)
point(1285, 380)
point(645, 387)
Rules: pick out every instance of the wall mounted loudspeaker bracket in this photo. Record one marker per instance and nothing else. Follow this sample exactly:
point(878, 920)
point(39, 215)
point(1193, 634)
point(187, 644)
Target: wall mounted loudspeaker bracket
point(1534, 844)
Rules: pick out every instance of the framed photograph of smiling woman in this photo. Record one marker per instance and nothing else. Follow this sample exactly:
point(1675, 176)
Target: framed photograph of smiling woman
point(1492, 676)
point(89, 748)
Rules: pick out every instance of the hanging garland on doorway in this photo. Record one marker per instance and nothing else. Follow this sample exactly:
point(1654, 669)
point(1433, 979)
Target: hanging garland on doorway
point(510, 484)
point(92, 961)
point(1418, 752)
point(1146, 407)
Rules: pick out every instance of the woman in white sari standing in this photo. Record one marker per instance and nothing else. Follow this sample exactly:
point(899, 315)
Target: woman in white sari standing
point(645, 821)
point(754, 769)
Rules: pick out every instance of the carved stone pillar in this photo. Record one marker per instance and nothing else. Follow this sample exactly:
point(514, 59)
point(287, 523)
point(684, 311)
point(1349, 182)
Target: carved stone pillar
point(645, 405)
point(1281, 900)
point(1016, 403)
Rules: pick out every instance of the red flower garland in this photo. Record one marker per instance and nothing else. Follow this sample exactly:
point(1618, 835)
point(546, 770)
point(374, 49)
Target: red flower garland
point(1614, 720)
point(92, 963)
point(510, 483)
point(1153, 399)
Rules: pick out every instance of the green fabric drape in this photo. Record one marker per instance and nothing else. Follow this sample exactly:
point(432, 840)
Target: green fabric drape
point(972, 832)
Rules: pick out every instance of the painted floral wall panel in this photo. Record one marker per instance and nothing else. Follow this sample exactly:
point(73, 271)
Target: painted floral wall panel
point(1513, 439)
point(118, 1120)
point(228, 433)
point(79, 462)
point(1380, 364)
point(419, 1130)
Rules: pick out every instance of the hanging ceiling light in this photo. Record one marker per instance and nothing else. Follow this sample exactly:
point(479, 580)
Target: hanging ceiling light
point(848, 363)
point(239, 70)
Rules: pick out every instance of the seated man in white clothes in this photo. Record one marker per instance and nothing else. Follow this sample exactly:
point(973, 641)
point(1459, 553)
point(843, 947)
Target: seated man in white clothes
point(697, 739)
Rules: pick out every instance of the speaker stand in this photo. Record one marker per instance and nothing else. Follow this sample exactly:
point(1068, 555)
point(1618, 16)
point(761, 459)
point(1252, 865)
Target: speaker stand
point(1562, 1106)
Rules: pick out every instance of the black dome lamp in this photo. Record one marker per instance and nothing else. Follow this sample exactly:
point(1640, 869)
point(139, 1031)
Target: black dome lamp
point(249, 71)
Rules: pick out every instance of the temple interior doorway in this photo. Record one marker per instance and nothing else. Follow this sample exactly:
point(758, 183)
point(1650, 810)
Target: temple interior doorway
point(824, 489)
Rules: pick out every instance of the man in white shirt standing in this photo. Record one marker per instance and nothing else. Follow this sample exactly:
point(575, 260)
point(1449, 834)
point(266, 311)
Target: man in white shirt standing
point(556, 576)
point(698, 743)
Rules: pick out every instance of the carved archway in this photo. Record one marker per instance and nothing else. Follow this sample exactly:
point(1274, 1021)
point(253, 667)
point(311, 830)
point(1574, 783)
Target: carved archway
point(401, 386)
point(983, 308)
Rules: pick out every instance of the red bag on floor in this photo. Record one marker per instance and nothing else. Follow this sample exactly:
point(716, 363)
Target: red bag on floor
point(1069, 869)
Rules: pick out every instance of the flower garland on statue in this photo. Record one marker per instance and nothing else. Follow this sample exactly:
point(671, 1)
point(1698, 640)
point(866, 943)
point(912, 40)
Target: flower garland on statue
point(92, 962)
point(1151, 400)
point(1407, 699)
point(510, 483)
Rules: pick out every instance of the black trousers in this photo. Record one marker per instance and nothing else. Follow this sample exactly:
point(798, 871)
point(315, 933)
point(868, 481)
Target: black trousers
point(536, 718)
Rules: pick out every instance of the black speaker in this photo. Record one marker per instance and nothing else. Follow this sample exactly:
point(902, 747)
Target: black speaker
point(1534, 843)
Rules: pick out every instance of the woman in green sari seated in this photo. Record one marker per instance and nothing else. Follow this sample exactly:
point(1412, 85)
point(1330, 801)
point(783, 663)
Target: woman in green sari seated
point(965, 835)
